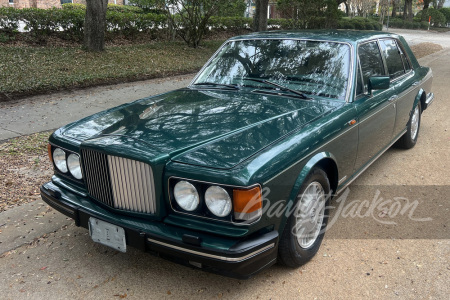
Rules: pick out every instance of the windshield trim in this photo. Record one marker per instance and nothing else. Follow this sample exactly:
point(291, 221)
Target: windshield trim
point(352, 57)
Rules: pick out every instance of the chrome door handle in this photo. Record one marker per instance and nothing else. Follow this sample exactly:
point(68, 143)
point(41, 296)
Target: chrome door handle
point(393, 98)
point(415, 83)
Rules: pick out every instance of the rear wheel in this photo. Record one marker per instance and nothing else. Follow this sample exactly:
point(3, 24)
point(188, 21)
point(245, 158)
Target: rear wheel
point(304, 229)
point(409, 139)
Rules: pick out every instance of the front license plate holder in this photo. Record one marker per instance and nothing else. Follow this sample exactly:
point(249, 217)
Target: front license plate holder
point(107, 234)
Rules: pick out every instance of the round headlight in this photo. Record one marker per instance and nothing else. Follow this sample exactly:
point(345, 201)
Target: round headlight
point(73, 162)
point(218, 201)
point(186, 195)
point(59, 157)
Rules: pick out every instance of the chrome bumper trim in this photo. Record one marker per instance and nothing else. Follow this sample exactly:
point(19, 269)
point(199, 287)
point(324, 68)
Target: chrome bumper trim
point(430, 98)
point(223, 258)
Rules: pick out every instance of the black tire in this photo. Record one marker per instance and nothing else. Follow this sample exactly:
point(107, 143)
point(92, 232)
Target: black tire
point(291, 253)
point(409, 139)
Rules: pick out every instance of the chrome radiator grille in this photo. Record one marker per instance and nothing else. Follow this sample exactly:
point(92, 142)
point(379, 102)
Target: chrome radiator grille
point(119, 182)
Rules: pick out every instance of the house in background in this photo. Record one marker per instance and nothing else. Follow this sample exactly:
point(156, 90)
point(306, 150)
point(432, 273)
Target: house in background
point(46, 3)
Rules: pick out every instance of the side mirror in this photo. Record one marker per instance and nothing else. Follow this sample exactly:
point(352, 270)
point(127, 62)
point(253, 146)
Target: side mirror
point(378, 83)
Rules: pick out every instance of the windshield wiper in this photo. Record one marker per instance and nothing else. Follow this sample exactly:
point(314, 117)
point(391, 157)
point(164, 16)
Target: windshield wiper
point(231, 86)
point(282, 88)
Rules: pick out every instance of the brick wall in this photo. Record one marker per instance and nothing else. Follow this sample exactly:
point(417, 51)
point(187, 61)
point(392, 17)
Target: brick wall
point(4, 3)
point(16, 4)
point(47, 3)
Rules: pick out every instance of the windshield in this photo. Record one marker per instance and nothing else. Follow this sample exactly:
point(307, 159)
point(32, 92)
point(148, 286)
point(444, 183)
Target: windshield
point(311, 67)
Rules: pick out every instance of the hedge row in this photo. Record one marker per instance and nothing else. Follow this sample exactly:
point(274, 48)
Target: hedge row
point(400, 23)
point(69, 22)
point(321, 23)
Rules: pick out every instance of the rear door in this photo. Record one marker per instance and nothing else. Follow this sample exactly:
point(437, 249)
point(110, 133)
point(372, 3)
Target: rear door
point(402, 80)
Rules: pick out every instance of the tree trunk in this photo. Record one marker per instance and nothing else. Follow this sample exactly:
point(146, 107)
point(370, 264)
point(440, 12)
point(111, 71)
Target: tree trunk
point(260, 18)
point(407, 12)
point(95, 25)
point(441, 4)
point(394, 8)
point(426, 4)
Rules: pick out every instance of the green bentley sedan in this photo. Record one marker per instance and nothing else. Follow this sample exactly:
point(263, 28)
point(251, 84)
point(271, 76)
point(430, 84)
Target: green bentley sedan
point(236, 171)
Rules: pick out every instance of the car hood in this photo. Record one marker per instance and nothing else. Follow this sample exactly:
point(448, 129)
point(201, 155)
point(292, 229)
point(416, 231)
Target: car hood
point(212, 128)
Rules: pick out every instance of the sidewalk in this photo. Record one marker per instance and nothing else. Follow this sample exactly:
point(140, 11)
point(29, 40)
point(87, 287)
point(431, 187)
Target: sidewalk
point(47, 112)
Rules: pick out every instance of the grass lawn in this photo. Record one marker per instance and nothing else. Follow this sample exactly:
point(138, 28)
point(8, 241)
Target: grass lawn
point(28, 70)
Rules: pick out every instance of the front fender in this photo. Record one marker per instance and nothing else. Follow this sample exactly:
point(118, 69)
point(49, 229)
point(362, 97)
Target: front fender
point(312, 162)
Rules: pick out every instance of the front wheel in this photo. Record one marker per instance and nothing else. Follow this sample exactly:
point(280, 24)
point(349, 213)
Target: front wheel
point(305, 227)
point(409, 139)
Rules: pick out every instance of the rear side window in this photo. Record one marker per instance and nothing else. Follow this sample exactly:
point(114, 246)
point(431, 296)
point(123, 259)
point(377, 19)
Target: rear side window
point(405, 60)
point(393, 57)
point(371, 62)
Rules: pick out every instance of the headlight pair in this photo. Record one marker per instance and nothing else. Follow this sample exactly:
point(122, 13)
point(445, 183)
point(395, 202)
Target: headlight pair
point(216, 198)
point(67, 162)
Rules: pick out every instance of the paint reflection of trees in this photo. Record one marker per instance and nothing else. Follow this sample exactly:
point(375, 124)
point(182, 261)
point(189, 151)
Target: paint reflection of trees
point(191, 117)
point(318, 68)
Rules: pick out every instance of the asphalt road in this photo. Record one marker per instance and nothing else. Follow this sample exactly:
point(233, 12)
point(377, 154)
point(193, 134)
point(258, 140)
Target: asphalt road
point(361, 256)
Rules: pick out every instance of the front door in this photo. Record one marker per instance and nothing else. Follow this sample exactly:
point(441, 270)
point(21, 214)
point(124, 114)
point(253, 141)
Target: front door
point(376, 111)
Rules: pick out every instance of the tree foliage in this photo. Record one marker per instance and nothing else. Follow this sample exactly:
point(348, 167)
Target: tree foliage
point(437, 17)
point(189, 18)
point(305, 13)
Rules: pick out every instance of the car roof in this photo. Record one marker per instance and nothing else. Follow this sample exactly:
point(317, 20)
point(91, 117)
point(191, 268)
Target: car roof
point(350, 36)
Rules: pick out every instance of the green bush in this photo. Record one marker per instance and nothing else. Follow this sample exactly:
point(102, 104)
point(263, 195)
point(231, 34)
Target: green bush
point(41, 22)
point(72, 24)
point(230, 23)
point(345, 24)
point(233, 8)
point(281, 23)
point(9, 20)
point(69, 22)
point(446, 12)
point(125, 8)
point(73, 6)
point(437, 17)
point(424, 25)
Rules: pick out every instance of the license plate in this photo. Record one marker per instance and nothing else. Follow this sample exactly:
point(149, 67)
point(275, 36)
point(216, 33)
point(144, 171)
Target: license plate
point(107, 234)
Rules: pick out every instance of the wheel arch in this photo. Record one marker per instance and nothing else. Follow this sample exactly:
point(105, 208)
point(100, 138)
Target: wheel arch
point(420, 97)
point(324, 160)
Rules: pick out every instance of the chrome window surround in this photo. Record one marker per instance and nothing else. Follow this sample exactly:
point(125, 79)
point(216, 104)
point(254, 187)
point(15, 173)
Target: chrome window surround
point(351, 63)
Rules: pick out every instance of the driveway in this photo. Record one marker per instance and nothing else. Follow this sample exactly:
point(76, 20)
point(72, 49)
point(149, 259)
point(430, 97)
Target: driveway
point(383, 253)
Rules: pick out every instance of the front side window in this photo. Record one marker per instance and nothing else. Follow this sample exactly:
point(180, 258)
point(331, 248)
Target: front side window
point(393, 57)
point(371, 62)
point(312, 67)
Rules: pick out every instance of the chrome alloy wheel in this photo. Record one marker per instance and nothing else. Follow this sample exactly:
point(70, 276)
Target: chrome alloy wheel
point(309, 215)
point(415, 122)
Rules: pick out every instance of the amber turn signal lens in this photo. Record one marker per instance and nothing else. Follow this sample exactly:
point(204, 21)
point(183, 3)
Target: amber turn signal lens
point(49, 149)
point(247, 201)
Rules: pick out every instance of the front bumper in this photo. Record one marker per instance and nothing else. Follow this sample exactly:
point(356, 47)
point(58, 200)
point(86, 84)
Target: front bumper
point(242, 260)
